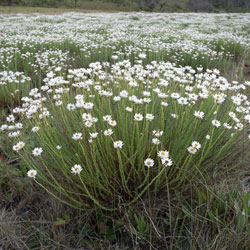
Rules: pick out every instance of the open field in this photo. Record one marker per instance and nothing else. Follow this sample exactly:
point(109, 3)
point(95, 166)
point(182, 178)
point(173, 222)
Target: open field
point(124, 131)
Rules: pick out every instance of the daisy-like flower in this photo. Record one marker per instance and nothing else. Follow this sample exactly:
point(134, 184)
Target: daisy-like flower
point(226, 125)
point(192, 150)
point(166, 161)
point(150, 117)
point(93, 135)
point(88, 124)
point(157, 133)
point(88, 105)
point(207, 137)
point(108, 132)
point(118, 144)
point(149, 162)
point(112, 123)
point(129, 109)
point(35, 129)
point(3, 127)
point(18, 146)
point(163, 154)
point(182, 101)
point(175, 95)
point(86, 117)
point(117, 98)
point(164, 104)
point(216, 123)
point(94, 119)
point(146, 100)
point(77, 136)
point(196, 145)
point(107, 118)
point(32, 173)
point(71, 106)
point(156, 141)
point(138, 117)
point(37, 151)
point(58, 147)
point(199, 114)
point(76, 169)
point(142, 55)
point(58, 103)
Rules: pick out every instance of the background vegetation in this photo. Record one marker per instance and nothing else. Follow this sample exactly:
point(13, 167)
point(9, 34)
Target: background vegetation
point(144, 5)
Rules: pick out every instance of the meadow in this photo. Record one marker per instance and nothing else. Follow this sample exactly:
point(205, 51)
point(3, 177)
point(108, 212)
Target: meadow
point(124, 131)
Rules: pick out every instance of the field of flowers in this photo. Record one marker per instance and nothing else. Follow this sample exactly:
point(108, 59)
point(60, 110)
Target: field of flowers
point(124, 131)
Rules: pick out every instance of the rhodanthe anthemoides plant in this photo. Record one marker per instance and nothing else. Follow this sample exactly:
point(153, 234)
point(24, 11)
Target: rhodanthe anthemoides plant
point(108, 134)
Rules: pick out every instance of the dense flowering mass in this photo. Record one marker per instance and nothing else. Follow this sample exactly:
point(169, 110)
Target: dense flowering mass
point(116, 108)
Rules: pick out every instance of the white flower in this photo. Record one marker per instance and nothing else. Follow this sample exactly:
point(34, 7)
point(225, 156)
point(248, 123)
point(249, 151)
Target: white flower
point(77, 136)
point(4, 127)
point(182, 101)
point(88, 124)
point(175, 95)
point(163, 154)
point(71, 106)
point(19, 125)
point(93, 135)
point(149, 162)
point(124, 94)
point(199, 114)
point(118, 144)
point(76, 169)
point(58, 147)
point(138, 117)
point(196, 145)
point(37, 151)
point(146, 100)
point(107, 118)
point(157, 133)
point(32, 173)
point(216, 123)
point(88, 105)
point(155, 141)
point(86, 117)
point(192, 150)
point(207, 137)
point(58, 103)
point(164, 104)
point(150, 117)
point(226, 125)
point(142, 55)
point(18, 146)
point(35, 129)
point(112, 123)
point(166, 161)
point(117, 98)
point(108, 132)
point(129, 109)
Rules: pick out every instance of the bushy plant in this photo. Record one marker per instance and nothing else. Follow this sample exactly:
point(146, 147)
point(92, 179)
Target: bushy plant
point(108, 134)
